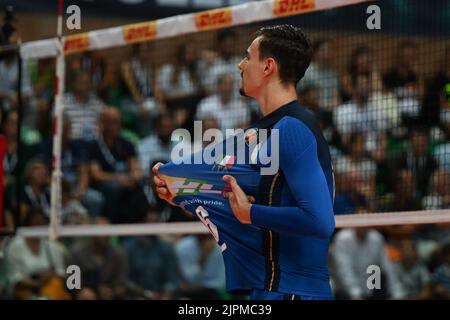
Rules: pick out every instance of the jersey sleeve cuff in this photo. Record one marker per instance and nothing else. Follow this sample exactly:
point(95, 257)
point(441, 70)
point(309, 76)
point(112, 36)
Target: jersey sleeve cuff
point(260, 215)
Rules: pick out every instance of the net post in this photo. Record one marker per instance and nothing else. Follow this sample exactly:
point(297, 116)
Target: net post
point(55, 208)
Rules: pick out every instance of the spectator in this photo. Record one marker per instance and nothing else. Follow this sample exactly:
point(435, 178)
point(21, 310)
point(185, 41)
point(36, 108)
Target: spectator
point(114, 167)
point(441, 275)
point(439, 196)
point(225, 62)
point(36, 266)
point(351, 274)
point(9, 71)
point(385, 167)
point(36, 193)
point(361, 63)
point(445, 113)
point(404, 197)
point(353, 192)
point(72, 211)
point(158, 146)
point(417, 159)
point(442, 155)
point(201, 266)
point(139, 75)
point(91, 63)
point(111, 88)
point(152, 261)
point(357, 159)
point(322, 76)
point(11, 170)
point(85, 294)
point(75, 169)
point(104, 267)
point(181, 85)
point(209, 122)
point(82, 108)
point(404, 72)
point(358, 114)
point(403, 80)
point(229, 110)
point(412, 273)
point(309, 98)
point(436, 103)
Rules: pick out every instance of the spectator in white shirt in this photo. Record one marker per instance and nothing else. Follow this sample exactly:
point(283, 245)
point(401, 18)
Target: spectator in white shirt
point(82, 108)
point(230, 111)
point(358, 114)
point(439, 196)
point(201, 265)
point(412, 273)
point(33, 262)
point(354, 250)
point(9, 71)
point(183, 78)
point(322, 76)
point(181, 85)
point(225, 63)
point(357, 159)
point(157, 147)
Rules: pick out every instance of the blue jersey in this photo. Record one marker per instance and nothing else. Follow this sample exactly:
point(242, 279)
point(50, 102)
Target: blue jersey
point(285, 249)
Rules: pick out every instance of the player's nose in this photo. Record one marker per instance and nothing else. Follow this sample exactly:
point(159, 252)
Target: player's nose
point(240, 65)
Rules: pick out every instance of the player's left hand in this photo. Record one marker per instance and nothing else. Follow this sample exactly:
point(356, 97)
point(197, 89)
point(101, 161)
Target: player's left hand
point(240, 203)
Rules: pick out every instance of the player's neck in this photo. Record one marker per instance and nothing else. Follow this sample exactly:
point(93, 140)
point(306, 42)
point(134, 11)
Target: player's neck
point(275, 96)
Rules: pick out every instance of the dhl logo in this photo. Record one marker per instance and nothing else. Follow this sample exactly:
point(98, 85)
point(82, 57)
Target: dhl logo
point(139, 32)
point(213, 19)
point(288, 7)
point(76, 43)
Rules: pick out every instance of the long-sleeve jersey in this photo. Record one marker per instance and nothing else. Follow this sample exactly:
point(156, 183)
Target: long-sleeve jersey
point(285, 248)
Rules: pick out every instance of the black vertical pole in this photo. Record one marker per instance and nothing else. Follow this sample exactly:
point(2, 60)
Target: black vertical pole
point(17, 214)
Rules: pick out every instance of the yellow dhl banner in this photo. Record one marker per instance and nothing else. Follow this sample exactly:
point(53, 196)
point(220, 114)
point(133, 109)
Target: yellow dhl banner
point(213, 19)
point(290, 7)
point(139, 32)
point(76, 43)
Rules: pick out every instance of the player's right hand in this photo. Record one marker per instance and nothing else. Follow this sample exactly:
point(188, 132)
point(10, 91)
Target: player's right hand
point(161, 186)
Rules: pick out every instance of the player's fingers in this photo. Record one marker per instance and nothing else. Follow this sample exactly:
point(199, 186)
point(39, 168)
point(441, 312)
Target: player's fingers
point(251, 199)
point(233, 183)
point(159, 182)
point(231, 198)
point(155, 167)
point(162, 191)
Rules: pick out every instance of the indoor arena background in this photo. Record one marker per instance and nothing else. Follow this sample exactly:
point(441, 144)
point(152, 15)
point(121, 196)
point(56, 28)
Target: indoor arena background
point(390, 156)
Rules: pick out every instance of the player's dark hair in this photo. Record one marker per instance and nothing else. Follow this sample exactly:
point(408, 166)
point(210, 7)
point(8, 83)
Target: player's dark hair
point(291, 49)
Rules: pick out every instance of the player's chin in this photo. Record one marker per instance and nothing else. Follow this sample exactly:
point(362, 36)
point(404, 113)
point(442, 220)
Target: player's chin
point(242, 92)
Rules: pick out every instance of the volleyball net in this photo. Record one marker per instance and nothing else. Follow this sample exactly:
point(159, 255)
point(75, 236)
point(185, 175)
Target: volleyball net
point(381, 98)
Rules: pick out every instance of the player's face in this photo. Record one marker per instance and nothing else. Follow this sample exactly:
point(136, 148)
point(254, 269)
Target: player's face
point(252, 71)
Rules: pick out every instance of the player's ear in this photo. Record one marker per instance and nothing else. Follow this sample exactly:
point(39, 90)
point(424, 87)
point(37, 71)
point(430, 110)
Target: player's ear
point(269, 66)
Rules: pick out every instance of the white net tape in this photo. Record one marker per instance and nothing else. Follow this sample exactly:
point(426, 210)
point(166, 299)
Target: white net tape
point(342, 221)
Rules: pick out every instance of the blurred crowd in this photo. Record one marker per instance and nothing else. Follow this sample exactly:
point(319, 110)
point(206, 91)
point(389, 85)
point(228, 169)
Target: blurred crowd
point(389, 136)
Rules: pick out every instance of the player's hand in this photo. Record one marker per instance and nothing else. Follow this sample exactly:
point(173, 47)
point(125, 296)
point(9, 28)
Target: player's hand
point(161, 186)
point(240, 203)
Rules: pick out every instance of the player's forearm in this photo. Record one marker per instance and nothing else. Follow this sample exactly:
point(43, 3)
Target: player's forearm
point(293, 221)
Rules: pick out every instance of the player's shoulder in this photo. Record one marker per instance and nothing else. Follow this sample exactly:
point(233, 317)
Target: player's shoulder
point(289, 125)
